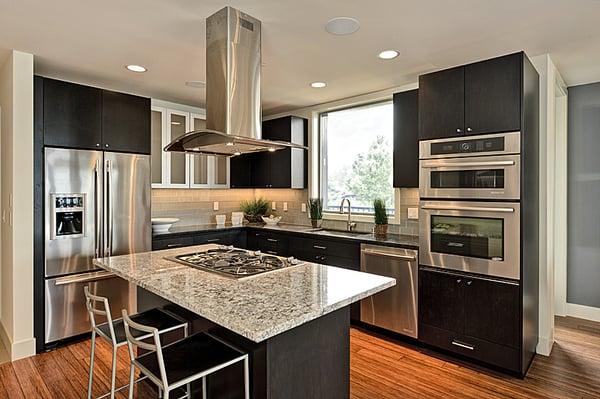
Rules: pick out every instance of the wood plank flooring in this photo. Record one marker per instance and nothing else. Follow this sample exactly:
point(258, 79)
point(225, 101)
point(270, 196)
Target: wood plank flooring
point(380, 368)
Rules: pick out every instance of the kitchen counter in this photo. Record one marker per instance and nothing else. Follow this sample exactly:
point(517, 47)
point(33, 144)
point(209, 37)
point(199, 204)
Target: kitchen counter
point(397, 240)
point(257, 307)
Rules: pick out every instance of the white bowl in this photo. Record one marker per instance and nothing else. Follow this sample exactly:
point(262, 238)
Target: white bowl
point(162, 225)
point(271, 221)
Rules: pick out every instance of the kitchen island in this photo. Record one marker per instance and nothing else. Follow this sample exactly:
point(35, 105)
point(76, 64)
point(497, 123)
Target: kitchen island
point(294, 322)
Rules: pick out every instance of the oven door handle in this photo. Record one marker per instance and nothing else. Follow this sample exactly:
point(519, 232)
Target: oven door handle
point(466, 208)
point(435, 165)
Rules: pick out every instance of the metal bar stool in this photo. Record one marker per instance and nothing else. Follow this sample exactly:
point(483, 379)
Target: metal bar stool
point(182, 362)
point(113, 331)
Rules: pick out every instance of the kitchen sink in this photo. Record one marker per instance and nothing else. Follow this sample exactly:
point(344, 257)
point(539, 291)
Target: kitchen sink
point(339, 233)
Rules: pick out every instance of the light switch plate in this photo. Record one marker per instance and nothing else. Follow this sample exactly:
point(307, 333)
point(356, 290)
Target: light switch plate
point(285, 208)
point(413, 213)
point(274, 205)
point(303, 207)
point(216, 206)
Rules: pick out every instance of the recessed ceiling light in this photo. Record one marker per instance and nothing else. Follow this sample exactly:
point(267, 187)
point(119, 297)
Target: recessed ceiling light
point(388, 54)
point(195, 83)
point(318, 85)
point(136, 68)
point(342, 25)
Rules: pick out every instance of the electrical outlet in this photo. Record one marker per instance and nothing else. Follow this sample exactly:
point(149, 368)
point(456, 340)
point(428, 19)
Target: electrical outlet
point(285, 207)
point(216, 206)
point(413, 213)
point(303, 207)
point(274, 205)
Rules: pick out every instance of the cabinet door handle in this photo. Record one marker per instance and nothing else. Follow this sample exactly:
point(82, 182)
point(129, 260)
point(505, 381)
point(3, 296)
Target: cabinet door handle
point(464, 346)
point(174, 245)
point(469, 129)
point(458, 280)
point(458, 130)
point(213, 240)
point(272, 240)
point(469, 282)
point(319, 247)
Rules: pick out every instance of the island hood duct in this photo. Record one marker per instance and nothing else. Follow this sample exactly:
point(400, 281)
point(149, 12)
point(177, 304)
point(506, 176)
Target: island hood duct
point(233, 109)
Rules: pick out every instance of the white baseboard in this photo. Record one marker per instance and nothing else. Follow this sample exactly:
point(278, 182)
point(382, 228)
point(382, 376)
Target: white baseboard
point(19, 349)
point(583, 312)
point(544, 346)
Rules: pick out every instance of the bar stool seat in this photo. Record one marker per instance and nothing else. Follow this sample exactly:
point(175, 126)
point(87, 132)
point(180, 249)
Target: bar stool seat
point(157, 318)
point(180, 361)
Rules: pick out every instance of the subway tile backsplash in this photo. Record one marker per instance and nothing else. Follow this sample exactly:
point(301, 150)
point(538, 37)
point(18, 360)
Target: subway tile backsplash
point(195, 206)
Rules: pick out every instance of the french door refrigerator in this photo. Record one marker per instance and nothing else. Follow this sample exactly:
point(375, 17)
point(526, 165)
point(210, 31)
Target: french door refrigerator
point(97, 204)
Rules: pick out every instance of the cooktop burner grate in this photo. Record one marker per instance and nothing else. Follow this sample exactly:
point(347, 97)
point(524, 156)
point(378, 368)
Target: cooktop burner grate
point(233, 262)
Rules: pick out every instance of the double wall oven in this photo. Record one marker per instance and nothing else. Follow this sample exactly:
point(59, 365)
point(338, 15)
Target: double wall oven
point(470, 204)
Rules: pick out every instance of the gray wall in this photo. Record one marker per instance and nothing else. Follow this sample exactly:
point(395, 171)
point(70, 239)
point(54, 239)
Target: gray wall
point(583, 262)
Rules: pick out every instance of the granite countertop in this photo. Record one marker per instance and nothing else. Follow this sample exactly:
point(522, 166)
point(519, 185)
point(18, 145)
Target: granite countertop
point(401, 240)
point(257, 307)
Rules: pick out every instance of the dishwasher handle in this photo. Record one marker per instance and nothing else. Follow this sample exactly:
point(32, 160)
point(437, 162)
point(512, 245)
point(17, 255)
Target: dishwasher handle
point(372, 252)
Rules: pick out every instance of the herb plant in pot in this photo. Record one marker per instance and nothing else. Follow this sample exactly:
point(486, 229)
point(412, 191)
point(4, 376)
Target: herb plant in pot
point(381, 218)
point(316, 211)
point(255, 209)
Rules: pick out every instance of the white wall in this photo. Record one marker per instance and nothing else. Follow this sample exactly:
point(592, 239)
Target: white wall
point(549, 76)
point(16, 178)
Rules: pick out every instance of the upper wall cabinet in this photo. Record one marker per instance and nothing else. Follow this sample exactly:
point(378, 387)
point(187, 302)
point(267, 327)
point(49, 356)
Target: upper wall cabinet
point(77, 116)
point(406, 140)
point(179, 170)
point(479, 98)
point(72, 115)
point(286, 168)
point(125, 122)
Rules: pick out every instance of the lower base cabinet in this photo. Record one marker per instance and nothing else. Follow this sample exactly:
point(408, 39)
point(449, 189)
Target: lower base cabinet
point(472, 316)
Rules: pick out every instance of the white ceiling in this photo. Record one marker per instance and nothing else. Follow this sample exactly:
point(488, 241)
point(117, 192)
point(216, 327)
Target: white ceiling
point(91, 42)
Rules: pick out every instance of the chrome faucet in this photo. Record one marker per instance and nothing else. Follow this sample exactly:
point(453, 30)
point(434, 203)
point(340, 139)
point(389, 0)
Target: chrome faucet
point(350, 225)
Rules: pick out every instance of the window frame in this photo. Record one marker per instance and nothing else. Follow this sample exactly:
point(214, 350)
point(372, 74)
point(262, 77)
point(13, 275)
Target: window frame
point(321, 165)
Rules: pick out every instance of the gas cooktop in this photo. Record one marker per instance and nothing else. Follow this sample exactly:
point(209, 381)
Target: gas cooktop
point(233, 262)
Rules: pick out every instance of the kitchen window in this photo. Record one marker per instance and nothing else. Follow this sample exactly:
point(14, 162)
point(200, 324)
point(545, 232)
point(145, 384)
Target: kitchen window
point(357, 157)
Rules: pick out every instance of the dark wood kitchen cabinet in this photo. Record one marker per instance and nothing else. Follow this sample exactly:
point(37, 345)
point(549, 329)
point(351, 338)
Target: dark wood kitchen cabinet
point(83, 117)
point(406, 139)
point(125, 123)
point(441, 104)
point(473, 316)
point(286, 168)
point(72, 115)
point(479, 98)
point(268, 242)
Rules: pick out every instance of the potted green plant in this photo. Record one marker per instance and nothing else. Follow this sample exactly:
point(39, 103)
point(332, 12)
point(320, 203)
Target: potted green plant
point(316, 211)
point(381, 218)
point(255, 209)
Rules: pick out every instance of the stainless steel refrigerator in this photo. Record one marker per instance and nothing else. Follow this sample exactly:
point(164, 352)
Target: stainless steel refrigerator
point(97, 204)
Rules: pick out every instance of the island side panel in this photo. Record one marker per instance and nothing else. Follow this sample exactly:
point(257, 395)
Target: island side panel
point(312, 360)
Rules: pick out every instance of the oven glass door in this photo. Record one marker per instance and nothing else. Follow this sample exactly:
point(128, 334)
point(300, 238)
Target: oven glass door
point(478, 237)
point(474, 178)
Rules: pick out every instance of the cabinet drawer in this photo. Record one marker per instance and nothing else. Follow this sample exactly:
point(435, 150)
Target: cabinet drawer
point(268, 242)
point(330, 260)
point(329, 247)
point(175, 242)
point(221, 238)
point(487, 352)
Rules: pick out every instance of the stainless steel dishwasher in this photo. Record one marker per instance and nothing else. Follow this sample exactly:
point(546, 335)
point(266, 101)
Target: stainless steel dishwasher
point(396, 308)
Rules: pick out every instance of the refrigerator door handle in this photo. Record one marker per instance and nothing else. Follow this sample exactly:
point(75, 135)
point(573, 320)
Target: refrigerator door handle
point(88, 277)
point(108, 211)
point(97, 210)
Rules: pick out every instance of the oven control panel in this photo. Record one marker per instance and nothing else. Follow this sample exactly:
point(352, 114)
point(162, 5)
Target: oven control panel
point(491, 144)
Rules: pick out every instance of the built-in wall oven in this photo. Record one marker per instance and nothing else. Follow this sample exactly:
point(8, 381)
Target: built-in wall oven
point(470, 204)
point(477, 237)
point(477, 167)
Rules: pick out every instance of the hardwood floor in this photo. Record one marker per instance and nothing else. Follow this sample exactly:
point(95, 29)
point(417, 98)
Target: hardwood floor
point(379, 369)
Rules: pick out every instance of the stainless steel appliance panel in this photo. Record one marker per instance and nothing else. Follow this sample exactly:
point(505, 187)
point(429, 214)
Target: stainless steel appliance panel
point(477, 237)
point(66, 314)
point(490, 177)
point(76, 173)
point(511, 145)
point(127, 226)
point(396, 308)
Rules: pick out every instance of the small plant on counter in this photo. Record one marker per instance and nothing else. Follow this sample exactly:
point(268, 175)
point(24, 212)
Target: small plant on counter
point(255, 209)
point(316, 211)
point(381, 218)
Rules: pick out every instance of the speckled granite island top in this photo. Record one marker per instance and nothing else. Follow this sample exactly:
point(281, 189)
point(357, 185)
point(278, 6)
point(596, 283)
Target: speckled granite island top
point(257, 307)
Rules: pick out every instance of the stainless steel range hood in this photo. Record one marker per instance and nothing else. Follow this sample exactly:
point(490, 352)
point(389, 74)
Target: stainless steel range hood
point(233, 108)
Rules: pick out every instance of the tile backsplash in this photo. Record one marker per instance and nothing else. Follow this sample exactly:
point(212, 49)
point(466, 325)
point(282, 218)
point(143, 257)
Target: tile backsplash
point(195, 206)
